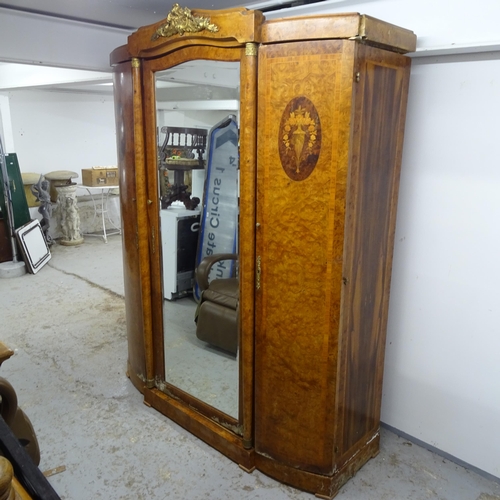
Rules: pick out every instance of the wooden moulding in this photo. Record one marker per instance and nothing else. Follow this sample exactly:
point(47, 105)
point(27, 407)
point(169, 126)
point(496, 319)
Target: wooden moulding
point(196, 404)
point(248, 125)
point(386, 36)
point(119, 55)
point(126, 149)
point(234, 28)
point(202, 427)
point(322, 486)
point(354, 26)
point(149, 179)
point(142, 221)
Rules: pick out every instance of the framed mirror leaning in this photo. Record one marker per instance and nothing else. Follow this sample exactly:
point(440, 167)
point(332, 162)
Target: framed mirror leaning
point(197, 126)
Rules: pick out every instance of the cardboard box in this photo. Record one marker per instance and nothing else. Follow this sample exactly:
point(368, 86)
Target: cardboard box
point(100, 176)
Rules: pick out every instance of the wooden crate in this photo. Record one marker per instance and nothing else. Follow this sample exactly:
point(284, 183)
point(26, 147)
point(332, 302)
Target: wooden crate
point(96, 176)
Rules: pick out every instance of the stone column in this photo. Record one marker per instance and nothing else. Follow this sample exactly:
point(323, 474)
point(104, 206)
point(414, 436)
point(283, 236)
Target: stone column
point(68, 216)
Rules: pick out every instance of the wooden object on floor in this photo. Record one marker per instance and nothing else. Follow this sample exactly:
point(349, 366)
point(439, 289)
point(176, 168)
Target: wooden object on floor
point(14, 416)
point(26, 472)
point(321, 136)
point(18, 444)
point(21, 493)
point(10, 487)
point(6, 476)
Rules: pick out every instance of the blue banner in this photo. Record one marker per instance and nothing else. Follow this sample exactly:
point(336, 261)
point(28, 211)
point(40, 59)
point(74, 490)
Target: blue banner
point(219, 219)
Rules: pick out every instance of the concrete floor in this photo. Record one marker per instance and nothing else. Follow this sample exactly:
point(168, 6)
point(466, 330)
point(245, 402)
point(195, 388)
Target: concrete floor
point(67, 326)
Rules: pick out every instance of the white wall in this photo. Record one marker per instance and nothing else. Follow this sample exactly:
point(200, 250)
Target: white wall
point(6, 124)
point(62, 131)
point(442, 378)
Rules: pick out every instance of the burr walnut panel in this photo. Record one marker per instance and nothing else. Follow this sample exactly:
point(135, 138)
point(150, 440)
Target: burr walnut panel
point(299, 256)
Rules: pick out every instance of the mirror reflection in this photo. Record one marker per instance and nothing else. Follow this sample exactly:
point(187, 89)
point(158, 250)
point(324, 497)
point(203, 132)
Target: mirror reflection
point(197, 106)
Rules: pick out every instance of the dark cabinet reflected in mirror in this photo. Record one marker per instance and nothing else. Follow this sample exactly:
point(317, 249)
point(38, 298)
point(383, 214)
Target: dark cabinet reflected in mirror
point(197, 109)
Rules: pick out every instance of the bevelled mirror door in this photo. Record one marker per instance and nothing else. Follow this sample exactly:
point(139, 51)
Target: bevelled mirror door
point(197, 116)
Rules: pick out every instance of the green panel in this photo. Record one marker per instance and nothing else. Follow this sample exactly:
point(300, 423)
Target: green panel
point(20, 204)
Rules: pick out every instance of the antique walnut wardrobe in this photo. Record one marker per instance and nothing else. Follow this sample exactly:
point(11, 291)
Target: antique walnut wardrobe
point(308, 177)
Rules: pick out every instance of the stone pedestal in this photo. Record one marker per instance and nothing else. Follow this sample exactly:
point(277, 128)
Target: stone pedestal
point(59, 178)
point(68, 217)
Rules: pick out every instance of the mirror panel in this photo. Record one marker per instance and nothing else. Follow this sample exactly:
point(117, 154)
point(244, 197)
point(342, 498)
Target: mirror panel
point(197, 109)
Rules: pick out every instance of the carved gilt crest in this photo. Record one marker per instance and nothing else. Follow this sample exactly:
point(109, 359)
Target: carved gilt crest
point(180, 20)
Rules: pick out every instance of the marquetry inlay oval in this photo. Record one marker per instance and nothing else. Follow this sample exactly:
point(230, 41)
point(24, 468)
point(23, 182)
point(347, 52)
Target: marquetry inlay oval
point(299, 138)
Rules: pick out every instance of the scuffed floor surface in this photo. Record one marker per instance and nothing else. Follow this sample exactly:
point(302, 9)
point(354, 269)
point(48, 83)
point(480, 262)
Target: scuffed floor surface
point(67, 326)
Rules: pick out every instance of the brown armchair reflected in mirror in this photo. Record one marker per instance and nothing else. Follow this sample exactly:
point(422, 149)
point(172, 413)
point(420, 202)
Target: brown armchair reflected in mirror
point(217, 315)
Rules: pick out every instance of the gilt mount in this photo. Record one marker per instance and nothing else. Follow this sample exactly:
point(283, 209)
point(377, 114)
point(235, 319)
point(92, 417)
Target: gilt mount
point(180, 20)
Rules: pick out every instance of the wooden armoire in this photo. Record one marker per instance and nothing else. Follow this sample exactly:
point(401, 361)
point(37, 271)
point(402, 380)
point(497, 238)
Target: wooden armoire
point(320, 104)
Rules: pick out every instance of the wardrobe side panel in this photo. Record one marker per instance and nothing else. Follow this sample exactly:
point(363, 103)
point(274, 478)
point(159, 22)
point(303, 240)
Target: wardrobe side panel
point(302, 135)
point(123, 91)
point(377, 138)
